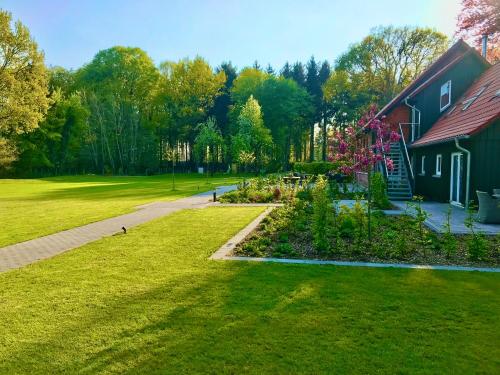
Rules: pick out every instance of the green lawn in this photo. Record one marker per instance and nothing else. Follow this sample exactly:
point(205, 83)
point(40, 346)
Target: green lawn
point(151, 302)
point(33, 208)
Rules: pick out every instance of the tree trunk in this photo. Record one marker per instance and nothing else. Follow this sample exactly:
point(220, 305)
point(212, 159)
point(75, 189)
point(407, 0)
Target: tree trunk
point(311, 144)
point(324, 137)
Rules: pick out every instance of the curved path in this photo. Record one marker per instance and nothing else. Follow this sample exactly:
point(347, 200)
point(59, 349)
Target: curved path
point(23, 253)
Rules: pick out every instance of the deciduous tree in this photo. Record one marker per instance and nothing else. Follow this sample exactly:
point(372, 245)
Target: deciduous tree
point(252, 136)
point(208, 143)
point(389, 59)
point(23, 86)
point(478, 18)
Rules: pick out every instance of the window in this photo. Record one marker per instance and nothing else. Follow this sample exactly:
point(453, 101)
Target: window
point(422, 166)
point(451, 110)
point(445, 99)
point(439, 159)
point(468, 102)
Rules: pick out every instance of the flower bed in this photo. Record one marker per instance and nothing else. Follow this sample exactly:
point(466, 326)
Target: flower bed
point(270, 189)
point(289, 232)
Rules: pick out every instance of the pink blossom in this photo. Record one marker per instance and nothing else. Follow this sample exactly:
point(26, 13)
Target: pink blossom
point(389, 163)
point(343, 147)
point(394, 137)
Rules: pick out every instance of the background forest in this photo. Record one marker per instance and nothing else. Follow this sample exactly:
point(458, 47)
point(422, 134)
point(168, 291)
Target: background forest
point(122, 114)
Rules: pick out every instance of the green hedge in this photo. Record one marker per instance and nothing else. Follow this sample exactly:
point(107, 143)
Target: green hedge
point(315, 167)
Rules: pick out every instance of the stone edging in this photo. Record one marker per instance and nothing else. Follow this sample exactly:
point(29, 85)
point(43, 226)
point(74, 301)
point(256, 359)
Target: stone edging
point(229, 246)
point(225, 250)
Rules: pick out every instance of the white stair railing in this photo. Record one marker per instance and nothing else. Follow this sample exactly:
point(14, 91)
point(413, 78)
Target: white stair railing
point(406, 148)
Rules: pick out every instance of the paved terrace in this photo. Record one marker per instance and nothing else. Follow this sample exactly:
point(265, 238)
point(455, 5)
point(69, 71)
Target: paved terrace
point(437, 217)
point(23, 253)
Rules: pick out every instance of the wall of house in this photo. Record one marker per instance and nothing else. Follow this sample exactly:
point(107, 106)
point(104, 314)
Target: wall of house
point(400, 114)
point(485, 166)
point(462, 75)
point(485, 161)
point(430, 186)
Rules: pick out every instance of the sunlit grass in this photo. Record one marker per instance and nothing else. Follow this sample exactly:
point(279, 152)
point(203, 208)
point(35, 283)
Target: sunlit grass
point(151, 302)
point(33, 208)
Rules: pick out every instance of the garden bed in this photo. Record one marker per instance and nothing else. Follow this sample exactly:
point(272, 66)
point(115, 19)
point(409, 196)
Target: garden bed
point(287, 232)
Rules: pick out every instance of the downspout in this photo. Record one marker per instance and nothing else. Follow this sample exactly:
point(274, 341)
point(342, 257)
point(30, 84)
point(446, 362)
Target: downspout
point(467, 182)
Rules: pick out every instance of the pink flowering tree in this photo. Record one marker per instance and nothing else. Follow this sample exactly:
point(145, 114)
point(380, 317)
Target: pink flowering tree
point(360, 146)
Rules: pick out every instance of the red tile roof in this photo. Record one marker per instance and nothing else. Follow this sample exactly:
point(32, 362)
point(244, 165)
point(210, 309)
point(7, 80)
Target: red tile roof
point(457, 122)
point(448, 59)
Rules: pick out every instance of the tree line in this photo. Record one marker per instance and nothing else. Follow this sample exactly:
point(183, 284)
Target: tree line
point(122, 114)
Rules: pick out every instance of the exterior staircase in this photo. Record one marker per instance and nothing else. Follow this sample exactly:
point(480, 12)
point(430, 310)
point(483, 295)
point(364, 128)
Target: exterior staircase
point(398, 183)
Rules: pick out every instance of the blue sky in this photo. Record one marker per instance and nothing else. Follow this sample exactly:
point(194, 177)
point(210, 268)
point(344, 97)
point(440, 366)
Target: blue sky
point(273, 31)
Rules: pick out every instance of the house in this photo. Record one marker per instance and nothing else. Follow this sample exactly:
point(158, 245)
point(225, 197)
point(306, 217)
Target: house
point(449, 119)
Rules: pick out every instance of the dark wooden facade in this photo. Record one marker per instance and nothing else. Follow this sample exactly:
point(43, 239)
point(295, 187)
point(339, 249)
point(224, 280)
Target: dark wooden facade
point(480, 136)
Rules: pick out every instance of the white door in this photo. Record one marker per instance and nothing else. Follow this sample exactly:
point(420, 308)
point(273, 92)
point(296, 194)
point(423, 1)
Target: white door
point(456, 177)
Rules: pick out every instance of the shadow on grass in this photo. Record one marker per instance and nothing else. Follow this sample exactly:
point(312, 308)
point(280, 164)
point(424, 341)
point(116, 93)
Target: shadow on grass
point(279, 318)
point(165, 308)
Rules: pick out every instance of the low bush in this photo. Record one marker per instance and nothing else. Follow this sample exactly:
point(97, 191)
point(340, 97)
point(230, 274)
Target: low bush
point(321, 215)
point(316, 167)
point(322, 230)
point(379, 192)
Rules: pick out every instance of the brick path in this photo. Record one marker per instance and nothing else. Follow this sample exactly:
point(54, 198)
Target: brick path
point(23, 253)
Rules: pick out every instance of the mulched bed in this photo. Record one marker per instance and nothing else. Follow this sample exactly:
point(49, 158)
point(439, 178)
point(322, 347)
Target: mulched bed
point(286, 233)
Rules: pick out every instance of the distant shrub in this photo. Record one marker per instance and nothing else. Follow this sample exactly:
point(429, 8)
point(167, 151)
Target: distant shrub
point(316, 167)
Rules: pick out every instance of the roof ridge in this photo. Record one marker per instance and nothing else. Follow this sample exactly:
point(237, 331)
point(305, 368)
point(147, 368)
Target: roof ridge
point(476, 117)
point(447, 54)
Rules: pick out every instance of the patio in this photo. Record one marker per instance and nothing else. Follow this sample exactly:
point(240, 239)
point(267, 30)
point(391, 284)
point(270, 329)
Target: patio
point(437, 217)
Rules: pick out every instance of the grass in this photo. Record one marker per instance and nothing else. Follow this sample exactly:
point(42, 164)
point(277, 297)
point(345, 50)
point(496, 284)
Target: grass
point(151, 302)
point(37, 207)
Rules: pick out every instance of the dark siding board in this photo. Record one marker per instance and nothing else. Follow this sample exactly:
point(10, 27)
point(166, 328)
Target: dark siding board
point(485, 148)
point(428, 186)
point(462, 75)
point(485, 166)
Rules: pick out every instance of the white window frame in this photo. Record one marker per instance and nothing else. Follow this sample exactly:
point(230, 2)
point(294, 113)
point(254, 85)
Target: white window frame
point(439, 164)
point(448, 86)
point(422, 165)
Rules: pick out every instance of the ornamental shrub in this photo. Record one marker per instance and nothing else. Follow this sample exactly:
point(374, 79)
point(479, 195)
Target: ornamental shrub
point(379, 192)
point(477, 245)
point(316, 167)
point(321, 215)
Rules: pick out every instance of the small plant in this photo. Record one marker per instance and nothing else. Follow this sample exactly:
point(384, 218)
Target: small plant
point(284, 249)
point(277, 194)
point(420, 217)
point(379, 192)
point(449, 241)
point(361, 221)
point(321, 215)
point(477, 244)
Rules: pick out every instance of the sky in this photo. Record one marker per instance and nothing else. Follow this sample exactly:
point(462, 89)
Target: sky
point(71, 32)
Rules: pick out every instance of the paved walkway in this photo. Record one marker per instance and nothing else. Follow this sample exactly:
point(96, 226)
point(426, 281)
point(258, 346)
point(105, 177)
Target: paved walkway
point(437, 217)
point(23, 253)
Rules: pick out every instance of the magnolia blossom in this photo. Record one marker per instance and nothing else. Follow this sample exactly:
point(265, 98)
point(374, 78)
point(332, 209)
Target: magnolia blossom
point(349, 148)
point(389, 163)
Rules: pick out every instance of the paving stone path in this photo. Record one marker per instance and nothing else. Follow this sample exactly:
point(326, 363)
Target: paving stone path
point(23, 253)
